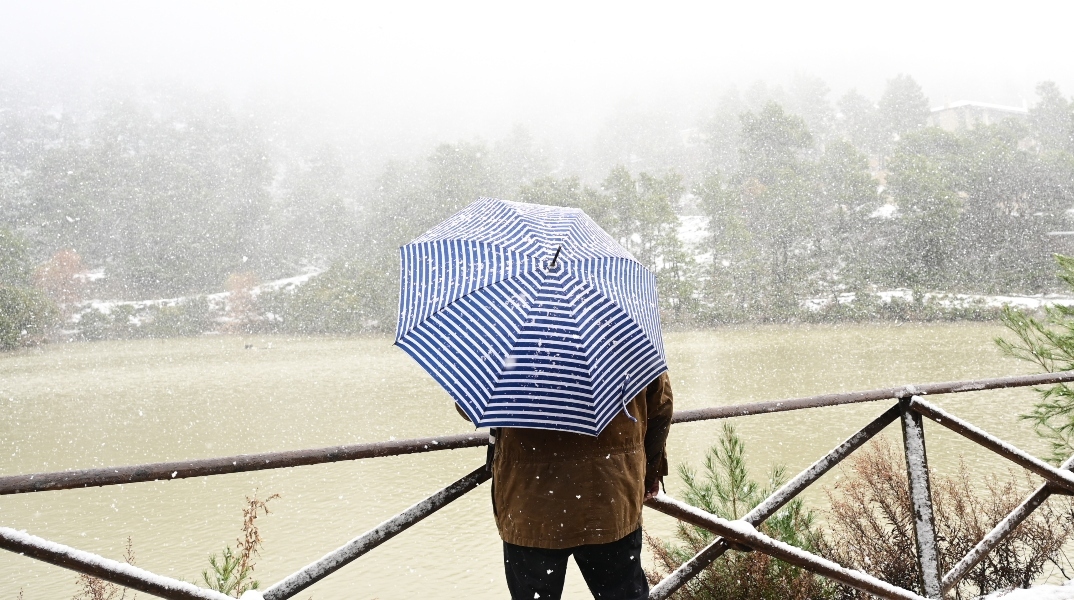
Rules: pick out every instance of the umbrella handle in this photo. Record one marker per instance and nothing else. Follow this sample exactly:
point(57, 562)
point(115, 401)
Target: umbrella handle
point(622, 396)
point(494, 432)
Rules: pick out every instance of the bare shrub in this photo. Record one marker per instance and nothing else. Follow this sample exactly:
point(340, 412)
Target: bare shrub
point(93, 588)
point(870, 525)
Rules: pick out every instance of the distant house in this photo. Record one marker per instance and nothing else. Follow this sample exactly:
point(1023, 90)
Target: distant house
point(959, 116)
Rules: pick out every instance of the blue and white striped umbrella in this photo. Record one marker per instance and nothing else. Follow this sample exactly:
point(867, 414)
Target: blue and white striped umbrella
point(530, 316)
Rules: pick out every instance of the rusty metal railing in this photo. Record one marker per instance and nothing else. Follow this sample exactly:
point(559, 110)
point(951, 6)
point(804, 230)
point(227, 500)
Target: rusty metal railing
point(732, 535)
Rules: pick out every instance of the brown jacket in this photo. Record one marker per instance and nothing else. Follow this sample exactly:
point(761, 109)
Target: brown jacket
point(555, 489)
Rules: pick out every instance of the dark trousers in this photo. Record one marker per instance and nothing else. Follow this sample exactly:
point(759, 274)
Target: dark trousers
point(612, 571)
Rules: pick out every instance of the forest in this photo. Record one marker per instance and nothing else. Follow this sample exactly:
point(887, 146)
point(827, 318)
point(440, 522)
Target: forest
point(780, 204)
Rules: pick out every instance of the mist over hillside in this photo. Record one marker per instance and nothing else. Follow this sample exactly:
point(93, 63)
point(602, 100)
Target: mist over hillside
point(151, 151)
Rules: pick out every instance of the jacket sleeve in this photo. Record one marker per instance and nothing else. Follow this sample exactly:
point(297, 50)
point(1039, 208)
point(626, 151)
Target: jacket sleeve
point(659, 408)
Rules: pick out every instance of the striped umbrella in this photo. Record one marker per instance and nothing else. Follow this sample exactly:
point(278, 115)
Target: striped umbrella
point(530, 316)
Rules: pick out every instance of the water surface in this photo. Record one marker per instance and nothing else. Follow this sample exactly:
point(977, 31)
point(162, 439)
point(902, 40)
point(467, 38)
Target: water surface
point(110, 403)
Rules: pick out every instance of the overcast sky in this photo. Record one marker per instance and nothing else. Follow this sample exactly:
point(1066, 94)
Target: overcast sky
point(454, 70)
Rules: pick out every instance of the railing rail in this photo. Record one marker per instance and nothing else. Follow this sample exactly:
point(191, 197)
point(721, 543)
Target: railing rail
point(164, 471)
point(746, 535)
point(740, 534)
point(104, 568)
point(65, 480)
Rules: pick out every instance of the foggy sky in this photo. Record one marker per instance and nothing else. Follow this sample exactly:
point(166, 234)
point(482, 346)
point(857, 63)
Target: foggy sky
point(434, 71)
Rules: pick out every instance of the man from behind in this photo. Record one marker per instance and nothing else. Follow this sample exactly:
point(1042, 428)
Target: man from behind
point(556, 494)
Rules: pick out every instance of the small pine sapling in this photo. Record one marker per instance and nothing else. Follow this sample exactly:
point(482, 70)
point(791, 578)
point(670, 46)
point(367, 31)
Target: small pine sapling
point(1048, 342)
point(231, 571)
point(727, 490)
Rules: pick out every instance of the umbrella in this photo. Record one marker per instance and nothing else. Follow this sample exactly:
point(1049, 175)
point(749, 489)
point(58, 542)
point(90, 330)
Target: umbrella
point(530, 316)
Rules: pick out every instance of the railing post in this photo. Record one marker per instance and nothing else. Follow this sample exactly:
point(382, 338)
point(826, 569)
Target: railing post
point(917, 470)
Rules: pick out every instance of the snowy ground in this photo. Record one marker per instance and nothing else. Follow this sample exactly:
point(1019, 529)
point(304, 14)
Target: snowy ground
point(1033, 302)
point(1040, 592)
point(217, 301)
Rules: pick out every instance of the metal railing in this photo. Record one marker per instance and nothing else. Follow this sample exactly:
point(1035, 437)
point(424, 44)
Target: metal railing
point(739, 534)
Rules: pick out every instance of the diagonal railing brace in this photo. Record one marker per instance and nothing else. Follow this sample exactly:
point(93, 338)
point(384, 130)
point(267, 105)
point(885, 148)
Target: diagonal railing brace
point(362, 544)
point(745, 534)
point(1000, 532)
point(1060, 477)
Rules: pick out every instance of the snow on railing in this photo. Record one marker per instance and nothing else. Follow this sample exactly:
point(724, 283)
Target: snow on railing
point(733, 535)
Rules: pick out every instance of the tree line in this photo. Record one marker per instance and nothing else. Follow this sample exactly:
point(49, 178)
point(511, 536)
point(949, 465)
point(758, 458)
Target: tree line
point(171, 194)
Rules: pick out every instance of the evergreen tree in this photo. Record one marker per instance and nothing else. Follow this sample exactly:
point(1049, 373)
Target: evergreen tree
point(26, 314)
point(903, 107)
point(1052, 118)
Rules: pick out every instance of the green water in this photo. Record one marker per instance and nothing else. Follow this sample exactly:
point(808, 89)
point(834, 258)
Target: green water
point(109, 403)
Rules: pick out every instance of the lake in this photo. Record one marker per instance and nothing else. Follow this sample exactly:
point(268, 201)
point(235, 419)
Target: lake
point(81, 405)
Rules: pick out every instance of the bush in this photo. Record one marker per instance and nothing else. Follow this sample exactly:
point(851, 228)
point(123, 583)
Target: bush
point(727, 490)
point(187, 318)
point(26, 316)
point(94, 324)
point(871, 526)
point(349, 298)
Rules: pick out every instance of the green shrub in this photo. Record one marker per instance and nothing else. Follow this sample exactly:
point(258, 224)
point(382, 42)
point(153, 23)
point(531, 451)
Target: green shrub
point(232, 571)
point(187, 318)
point(26, 316)
point(351, 297)
point(94, 324)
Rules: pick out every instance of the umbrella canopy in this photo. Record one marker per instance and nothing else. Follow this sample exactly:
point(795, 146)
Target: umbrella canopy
point(530, 316)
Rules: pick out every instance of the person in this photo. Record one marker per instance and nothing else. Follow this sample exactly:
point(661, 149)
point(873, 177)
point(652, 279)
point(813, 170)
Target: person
point(556, 494)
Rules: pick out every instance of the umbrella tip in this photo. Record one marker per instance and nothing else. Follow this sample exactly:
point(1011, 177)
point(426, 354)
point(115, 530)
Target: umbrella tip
point(555, 258)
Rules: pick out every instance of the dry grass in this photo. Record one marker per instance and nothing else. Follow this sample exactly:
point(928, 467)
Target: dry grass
point(93, 588)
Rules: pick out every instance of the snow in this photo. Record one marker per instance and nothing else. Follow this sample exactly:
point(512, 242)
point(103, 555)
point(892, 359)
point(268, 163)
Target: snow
point(1030, 302)
point(885, 211)
point(1040, 592)
point(693, 229)
point(288, 282)
point(217, 301)
point(90, 276)
point(970, 103)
